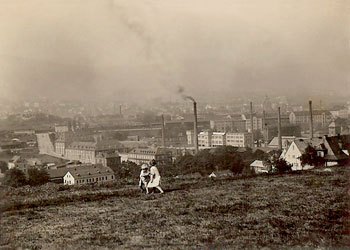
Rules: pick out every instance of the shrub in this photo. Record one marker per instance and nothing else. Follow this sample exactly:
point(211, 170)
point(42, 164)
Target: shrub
point(14, 178)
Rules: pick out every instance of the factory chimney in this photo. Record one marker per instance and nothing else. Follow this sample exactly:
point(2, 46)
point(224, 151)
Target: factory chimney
point(251, 123)
point(163, 132)
point(264, 120)
point(120, 109)
point(311, 121)
point(279, 129)
point(195, 132)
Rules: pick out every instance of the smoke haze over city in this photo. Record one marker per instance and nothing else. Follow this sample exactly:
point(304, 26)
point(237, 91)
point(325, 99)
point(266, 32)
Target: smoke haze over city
point(138, 50)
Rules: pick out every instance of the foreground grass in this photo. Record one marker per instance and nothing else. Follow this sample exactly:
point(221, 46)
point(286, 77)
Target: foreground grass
point(307, 210)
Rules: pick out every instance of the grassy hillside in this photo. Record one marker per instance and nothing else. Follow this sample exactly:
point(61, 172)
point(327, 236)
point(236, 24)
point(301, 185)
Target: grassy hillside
point(308, 210)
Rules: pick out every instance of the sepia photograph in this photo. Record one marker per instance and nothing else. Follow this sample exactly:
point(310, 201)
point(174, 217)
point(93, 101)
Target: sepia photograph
point(174, 124)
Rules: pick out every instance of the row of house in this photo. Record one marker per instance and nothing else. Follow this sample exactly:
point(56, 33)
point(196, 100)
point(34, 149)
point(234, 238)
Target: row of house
point(334, 149)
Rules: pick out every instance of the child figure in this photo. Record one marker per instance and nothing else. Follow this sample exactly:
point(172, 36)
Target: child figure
point(144, 178)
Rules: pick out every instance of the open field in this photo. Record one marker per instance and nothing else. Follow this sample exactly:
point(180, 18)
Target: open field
point(300, 210)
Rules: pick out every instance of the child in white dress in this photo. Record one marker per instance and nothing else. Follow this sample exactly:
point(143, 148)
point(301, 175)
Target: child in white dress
point(144, 178)
point(155, 177)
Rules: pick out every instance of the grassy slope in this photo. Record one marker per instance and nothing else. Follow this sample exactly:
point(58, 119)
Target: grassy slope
point(283, 211)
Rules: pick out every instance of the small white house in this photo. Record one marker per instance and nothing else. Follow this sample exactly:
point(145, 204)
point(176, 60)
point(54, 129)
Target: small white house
point(259, 167)
point(68, 179)
point(220, 174)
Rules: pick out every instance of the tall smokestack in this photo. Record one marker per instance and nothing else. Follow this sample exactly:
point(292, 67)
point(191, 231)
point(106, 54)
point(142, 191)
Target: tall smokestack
point(311, 121)
point(264, 126)
point(279, 129)
point(264, 120)
point(251, 123)
point(195, 132)
point(163, 132)
point(120, 109)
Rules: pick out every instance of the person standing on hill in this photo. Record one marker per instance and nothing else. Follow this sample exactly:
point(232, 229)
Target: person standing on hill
point(155, 177)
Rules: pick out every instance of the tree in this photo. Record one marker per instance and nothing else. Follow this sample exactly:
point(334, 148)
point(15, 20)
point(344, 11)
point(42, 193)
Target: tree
point(227, 157)
point(260, 155)
point(203, 162)
point(183, 164)
point(236, 164)
point(282, 166)
point(310, 157)
point(37, 177)
point(14, 178)
point(3, 167)
point(128, 169)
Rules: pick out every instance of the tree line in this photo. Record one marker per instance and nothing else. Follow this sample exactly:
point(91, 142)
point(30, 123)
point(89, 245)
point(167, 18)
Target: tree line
point(15, 177)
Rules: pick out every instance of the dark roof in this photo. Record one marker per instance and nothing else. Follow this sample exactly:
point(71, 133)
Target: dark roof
point(15, 158)
point(107, 154)
point(98, 146)
point(95, 170)
point(57, 173)
point(149, 151)
point(302, 144)
point(108, 144)
point(83, 145)
point(335, 146)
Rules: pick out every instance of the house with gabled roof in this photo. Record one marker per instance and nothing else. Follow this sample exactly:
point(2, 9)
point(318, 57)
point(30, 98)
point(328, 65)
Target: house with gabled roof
point(293, 153)
point(20, 163)
point(286, 140)
point(260, 166)
point(88, 174)
point(13, 161)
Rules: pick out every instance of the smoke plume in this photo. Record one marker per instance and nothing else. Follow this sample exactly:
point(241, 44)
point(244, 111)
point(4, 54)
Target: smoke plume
point(181, 91)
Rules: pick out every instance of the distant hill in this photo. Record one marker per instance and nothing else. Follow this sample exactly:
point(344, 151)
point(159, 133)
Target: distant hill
point(30, 121)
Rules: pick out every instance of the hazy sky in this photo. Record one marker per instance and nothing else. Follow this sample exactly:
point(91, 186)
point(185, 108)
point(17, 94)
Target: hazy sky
point(137, 49)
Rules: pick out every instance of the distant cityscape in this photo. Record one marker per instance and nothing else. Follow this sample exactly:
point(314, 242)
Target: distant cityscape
point(56, 135)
